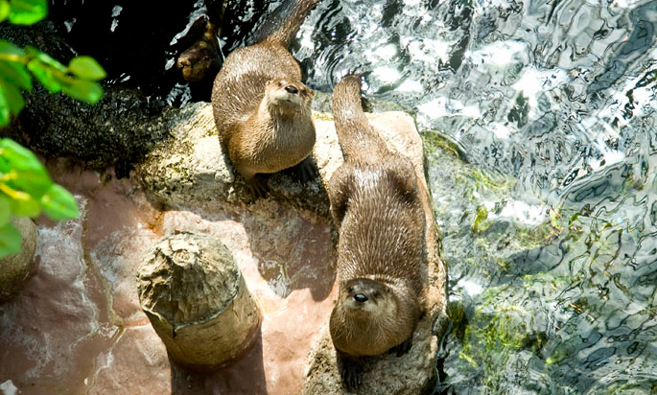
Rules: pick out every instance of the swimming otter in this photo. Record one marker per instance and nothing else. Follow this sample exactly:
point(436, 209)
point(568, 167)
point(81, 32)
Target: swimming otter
point(261, 107)
point(376, 205)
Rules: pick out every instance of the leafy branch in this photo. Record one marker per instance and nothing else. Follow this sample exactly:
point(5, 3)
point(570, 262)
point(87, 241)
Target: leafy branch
point(26, 189)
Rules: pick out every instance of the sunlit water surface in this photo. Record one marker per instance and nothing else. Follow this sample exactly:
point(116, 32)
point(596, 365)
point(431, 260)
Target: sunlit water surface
point(549, 229)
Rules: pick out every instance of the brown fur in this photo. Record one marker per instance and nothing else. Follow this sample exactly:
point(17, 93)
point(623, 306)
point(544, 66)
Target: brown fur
point(263, 127)
point(201, 60)
point(376, 205)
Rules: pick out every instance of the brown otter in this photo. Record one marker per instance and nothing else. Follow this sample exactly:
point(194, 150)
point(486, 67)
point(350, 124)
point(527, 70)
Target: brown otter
point(201, 61)
point(381, 261)
point(261, 107)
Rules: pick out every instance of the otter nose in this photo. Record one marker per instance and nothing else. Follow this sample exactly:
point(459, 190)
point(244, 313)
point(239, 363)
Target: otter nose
point(292, 89)
point(361, 298)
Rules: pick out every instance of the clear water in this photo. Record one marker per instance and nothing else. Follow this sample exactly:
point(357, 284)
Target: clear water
point(550, 228)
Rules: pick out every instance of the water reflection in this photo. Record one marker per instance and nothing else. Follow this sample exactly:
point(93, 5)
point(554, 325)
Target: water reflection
point(550, 230)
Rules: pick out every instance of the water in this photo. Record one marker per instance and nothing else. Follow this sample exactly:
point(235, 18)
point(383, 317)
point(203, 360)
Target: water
point(549, 229)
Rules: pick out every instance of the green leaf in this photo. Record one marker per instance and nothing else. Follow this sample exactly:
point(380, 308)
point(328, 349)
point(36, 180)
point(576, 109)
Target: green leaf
point(10, 240)
point(88, 91)
point(44, 74)
point(59, 204)
point(16, 74)
point(45, 58)
point(7, 48)
point(18, 156)
point(25, 205)
point(4, 110)
point(31, 176)
point(13, 96)
point(4, 166)
point(5, 210)
point(86, 67)
point(4, 10)
point(28, 12)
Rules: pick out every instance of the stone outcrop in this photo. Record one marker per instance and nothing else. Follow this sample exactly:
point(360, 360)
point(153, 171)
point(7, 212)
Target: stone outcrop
point(83, 305)
point(190, 170)
point(196, 299)
point(15, 270)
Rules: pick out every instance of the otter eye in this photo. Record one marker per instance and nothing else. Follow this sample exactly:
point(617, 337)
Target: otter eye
point(280, 83)
point(360, 298)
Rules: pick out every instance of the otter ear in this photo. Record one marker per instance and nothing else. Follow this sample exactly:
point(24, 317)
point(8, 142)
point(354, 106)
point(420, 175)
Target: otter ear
point(311, 93)
point(339, 190)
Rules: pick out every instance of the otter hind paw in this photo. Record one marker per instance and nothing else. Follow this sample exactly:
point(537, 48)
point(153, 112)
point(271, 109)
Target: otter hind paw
point(403, 347)
point(306, 170)
point(258, 188)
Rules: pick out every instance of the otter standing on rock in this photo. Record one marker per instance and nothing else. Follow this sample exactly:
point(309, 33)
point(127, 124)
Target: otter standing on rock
point(261, 107)
point(381, 261)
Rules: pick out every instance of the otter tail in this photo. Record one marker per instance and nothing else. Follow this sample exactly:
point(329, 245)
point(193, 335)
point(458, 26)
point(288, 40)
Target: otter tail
point(286, 32)
point(357, 138)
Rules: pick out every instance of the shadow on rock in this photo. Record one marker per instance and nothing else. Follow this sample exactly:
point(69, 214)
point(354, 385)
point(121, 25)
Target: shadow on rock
point(244, 376)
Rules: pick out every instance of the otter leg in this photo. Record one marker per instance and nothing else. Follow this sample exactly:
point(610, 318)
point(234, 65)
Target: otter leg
point(403, 348)
point(304, 171)
point(351, 371)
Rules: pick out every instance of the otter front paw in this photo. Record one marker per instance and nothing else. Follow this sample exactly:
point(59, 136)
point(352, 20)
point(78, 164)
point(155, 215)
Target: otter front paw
point(351, 372)
point(403, 348)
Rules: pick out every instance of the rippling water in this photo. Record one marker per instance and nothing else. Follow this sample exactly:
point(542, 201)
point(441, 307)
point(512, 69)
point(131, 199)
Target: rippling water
point(549, 229)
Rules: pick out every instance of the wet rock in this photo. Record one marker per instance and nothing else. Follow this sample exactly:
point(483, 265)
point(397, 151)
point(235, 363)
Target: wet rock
point(15, 270)
point(190, 170)
point(197, 300)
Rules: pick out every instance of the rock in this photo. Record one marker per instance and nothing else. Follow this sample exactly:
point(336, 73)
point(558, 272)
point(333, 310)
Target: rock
point(189, 168)
point(15, 270)
point(189, 171)
point(196, 299)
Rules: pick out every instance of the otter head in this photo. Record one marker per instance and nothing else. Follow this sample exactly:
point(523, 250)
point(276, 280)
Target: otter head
point(363, 298)
point(366, 319)
point(288, 97)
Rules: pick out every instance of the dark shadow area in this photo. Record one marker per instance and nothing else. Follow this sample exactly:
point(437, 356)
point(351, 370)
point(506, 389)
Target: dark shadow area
point(244, 376)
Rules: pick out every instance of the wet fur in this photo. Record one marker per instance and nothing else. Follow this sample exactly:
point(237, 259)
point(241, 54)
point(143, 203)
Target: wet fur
point(376, 205)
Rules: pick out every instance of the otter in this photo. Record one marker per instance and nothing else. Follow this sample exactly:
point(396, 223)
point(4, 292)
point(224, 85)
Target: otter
point(261, 107)
point(375, 204)
point(201, 61)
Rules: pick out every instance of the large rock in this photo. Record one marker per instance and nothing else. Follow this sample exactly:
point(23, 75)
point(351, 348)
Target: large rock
point(190, 171)
point(16, 269)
